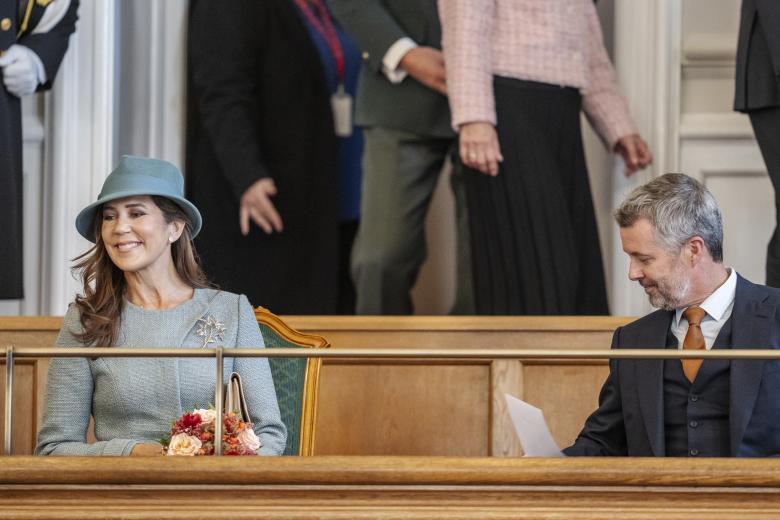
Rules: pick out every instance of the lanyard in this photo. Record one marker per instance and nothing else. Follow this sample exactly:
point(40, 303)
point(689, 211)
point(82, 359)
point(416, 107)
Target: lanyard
point(324, 26)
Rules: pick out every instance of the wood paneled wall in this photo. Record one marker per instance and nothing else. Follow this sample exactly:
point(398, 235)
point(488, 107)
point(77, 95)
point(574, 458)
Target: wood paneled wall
point(404, 407)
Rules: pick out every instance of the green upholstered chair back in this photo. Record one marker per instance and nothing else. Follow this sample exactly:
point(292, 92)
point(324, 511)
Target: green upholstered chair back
point(296, 380)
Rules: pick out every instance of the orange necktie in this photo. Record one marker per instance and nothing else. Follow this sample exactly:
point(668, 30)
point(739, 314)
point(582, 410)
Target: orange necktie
point(694, 340)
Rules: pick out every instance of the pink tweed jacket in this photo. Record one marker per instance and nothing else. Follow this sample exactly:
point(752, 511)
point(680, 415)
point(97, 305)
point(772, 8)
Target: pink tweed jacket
point(550, 41)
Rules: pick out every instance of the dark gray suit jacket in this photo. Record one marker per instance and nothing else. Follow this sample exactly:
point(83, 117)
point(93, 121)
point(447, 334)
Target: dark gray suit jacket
point(376, 25)
point(758, 56)
point(630, 417)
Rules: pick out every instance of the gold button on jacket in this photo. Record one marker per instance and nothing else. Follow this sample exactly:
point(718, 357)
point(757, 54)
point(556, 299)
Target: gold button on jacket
point(5, 24)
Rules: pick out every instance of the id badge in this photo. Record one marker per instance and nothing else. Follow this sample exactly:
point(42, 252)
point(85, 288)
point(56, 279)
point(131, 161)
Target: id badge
point(341, 104)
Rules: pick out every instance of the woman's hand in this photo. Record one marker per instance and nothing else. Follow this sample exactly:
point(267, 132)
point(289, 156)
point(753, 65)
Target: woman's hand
point(256, 204)
point(146, 450)
point(635, 152)
point(479, 148)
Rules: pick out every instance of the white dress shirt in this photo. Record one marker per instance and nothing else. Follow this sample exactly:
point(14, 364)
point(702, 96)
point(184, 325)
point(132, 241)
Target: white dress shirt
point(392, 59)
point(718, 307)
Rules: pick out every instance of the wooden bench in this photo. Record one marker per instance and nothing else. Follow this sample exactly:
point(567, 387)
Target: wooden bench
point(402, 407)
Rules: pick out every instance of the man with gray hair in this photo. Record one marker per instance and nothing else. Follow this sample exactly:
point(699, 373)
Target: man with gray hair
point(672, 232)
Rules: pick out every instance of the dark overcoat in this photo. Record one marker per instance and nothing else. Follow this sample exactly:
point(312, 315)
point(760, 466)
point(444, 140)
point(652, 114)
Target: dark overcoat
point(18, 21)
point(258, 106)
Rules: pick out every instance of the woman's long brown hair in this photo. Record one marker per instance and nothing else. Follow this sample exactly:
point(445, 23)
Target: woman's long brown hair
point(104, 283)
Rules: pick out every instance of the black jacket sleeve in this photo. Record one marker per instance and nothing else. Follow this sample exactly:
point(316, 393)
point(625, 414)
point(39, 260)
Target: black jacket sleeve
point(604, 433)
point(50, 46)
point(224, 57)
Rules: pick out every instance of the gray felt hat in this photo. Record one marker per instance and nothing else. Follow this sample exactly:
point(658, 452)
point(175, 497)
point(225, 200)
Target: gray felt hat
point(139, 176)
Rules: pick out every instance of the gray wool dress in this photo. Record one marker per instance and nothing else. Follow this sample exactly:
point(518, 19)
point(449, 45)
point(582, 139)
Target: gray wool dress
point(134, 400)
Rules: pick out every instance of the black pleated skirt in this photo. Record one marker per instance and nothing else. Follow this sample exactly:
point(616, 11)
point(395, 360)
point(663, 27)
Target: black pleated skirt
point(535, 244)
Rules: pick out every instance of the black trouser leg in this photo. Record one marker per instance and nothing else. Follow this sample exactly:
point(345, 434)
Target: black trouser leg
point(766, 126)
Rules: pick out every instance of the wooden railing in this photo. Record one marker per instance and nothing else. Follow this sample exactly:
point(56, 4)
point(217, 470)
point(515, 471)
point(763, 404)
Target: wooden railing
point(388, 487)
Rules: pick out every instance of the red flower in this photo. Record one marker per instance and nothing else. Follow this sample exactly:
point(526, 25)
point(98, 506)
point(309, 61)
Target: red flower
point(188, 422)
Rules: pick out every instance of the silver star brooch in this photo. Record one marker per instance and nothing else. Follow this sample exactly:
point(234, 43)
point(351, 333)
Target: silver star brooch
point(210, 330)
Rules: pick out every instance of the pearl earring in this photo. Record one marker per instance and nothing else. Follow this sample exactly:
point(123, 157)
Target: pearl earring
point(170, 239)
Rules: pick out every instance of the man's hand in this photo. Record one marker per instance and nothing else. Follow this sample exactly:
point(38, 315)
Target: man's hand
point(256, 203)
point(146, 450)
point(426, 65)
point(20, 72)
point(635, 152)
point(479, 148)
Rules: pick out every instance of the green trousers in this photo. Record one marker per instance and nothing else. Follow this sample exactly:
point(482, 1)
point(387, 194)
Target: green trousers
point(400, 172)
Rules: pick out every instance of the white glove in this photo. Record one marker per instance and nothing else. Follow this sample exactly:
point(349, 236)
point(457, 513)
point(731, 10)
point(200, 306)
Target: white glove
point(22, 70)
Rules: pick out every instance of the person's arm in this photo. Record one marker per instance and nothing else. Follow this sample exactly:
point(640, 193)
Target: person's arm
point(50, 42)
point(31, 63)
point(68, 403)
point(466, 29)
point(466, 32)
point(258, 384)
point(604, 433)
point(223, 56)
point(391, 61)
point(387, 47)
point(605, 107)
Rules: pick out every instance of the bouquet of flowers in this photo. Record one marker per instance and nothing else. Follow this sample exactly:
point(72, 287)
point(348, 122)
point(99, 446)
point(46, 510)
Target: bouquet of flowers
point(193, 434)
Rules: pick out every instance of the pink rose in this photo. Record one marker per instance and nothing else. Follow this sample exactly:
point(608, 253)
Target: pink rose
point(249, 440)
point(183, 444)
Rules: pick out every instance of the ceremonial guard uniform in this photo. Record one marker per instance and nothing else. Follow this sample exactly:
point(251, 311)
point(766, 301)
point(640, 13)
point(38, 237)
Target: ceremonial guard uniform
point(43, 27)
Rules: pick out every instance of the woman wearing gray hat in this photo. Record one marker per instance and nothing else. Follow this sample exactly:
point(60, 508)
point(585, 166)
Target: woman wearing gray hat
point(143, 287)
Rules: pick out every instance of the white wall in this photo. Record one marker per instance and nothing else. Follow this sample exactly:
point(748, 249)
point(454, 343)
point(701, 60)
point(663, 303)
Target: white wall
point(716, 144)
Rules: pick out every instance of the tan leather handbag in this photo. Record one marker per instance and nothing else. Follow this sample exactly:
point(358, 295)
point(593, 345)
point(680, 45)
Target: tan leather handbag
point(234, 398)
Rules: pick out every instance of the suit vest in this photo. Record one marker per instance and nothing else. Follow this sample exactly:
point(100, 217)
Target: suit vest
point(696, 415)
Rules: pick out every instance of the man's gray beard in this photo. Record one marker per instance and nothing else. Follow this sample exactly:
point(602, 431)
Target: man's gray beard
point(671, 296)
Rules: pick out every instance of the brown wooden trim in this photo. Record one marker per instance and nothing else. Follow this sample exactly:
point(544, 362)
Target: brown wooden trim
point(266, 317)
point(394, 323)
point(30, 323)
point(344, 470)
point(311, 385)
point(458, 323)
point(35, 399)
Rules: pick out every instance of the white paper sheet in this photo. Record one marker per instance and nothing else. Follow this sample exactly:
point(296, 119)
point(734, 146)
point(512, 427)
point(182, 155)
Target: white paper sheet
point(531, 429)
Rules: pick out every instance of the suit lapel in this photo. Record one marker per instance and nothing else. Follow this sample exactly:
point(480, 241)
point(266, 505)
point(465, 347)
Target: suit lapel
point(751, 328)
point(649, 374)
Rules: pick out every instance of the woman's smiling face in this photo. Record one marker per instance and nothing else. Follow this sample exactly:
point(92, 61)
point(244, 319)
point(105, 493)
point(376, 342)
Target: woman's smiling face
point(136, 235)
